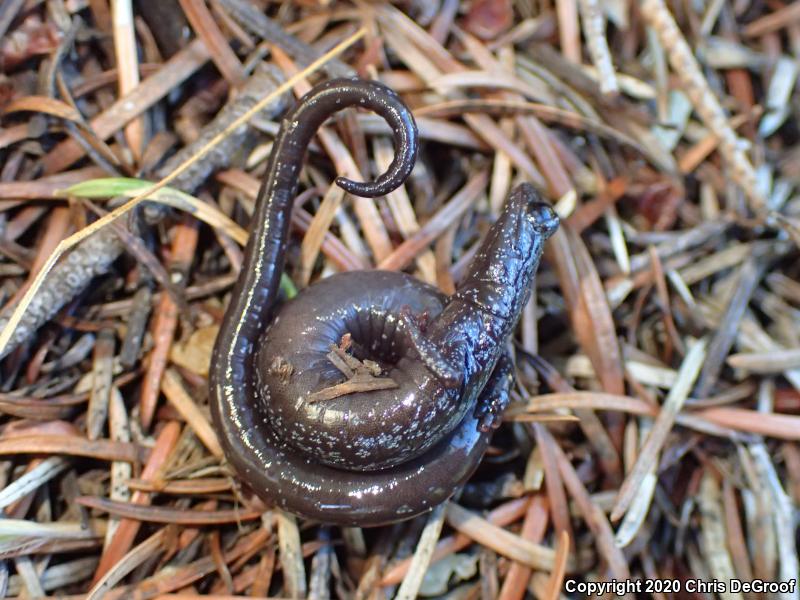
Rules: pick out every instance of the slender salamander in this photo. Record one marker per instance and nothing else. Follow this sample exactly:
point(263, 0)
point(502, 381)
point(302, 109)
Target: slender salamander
point(366, 457)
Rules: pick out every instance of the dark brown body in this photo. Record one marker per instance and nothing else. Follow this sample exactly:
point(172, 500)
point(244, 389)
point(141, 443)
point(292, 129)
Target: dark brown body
point(373, 457)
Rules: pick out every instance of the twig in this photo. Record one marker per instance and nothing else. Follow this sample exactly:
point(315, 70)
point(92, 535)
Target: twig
point(649, 453)
point(685, 66)
point(594, 29)
point(362, 376)
point(749, 276)
point(422, 557)
point(127, 67)
point(501, 541)
point(291, 555)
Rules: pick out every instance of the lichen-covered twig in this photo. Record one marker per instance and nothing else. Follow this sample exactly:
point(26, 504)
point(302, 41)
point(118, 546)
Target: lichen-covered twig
point(91, 258)
point(703, 99)
point(594, 29)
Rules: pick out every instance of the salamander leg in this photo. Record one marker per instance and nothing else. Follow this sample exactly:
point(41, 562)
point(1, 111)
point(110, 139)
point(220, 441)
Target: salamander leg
point(495, 395)
point(431, 356)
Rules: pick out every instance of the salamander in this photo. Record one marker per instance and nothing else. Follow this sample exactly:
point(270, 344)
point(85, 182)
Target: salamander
point(397, 449)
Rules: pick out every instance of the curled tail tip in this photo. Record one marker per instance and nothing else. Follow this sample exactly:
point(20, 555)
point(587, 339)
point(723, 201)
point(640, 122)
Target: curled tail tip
point(361, 188)
point(371, 189)
point(385, 101)
point(393, 178)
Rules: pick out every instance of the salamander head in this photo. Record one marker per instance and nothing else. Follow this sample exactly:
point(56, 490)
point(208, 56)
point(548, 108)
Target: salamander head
point(498, 281)
point(539, 215)
point(515, 242)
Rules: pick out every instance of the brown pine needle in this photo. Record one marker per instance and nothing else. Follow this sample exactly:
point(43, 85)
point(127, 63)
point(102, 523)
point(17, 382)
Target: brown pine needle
point(560, 569)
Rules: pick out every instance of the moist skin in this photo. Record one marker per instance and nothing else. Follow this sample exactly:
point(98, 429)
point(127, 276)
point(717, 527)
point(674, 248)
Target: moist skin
point(366, 458)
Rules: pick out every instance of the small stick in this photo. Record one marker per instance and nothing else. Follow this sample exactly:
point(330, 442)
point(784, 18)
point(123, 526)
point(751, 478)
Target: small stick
point(255, 21)
point(102, 376)
point(568, 34)
point(127, 530)
point(422, 557)
point(121, 472)
point(703, 99)
point(648, 455)
point(127, 68)
point(594, 29)
point(204, 25)
point(291, 555)
point(362, 375)
point(166, 322)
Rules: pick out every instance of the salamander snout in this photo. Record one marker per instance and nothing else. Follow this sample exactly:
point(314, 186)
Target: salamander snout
point(544, 218)
point(526, 202)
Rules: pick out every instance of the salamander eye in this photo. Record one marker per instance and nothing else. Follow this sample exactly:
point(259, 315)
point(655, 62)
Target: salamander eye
point(544, 218)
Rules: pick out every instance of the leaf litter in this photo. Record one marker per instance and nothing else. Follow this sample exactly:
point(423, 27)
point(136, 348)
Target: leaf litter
point(655, 421)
